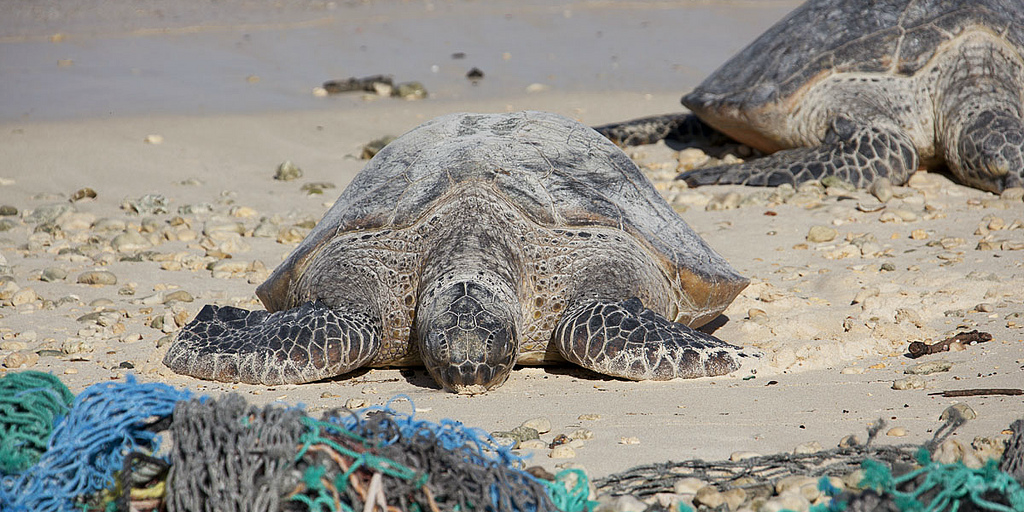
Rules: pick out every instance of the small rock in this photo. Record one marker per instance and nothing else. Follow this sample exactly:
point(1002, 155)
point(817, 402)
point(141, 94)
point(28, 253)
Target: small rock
point(149, 204)
point(789, 502)
point(688, 485)
point(562, 451)
point(73, 346)
point(129, 241)
point(741, 455)
point(475, 75)
point(821, 234)
point(410, 91)
point(287, 171)
point(757, 316)
point(20, 359)
point(963, 410)
point(881, 188)
point(930, 367)
point(154, 139)
point(589, 417)
point(370, 149)
point(53, 274)
point(24, 296)
point(356, 403)
point(532, 444)
point(691, 158)
point(1012, 194)
point(897, 432)
point(624, 503)
point(83, 193)
point(629, 440)
point(950, 451)
point(709, 496)
point(727, 201)
point(7, 210)
point(179, 296)
point(808, 447)
point(849, 441)
point(911, 382)
point(97, 277)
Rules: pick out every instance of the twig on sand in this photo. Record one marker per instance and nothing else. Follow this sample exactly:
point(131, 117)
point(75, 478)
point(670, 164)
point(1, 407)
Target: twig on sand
point(918, 348)
point(979, 392)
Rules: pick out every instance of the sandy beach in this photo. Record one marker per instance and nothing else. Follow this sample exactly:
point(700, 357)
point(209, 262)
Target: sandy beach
point(177, 122)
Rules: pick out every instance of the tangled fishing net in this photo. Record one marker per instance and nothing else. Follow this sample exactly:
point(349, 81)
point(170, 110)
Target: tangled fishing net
point(149, 447)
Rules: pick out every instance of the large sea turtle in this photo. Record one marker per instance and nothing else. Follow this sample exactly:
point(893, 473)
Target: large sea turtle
point(472, 243)
point(862, 90)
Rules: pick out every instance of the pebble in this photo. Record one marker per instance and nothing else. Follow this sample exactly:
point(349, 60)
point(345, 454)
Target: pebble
point(849, 441)
point(929, 368)
point(149, 204)
point(743, 455)
point(24, 296)
point(629, 440)
point(820, 233)
point(709, 496)
point(1012, 194)
point(129, 241)
point(881, 188)
point(688, 485)
point(691, 158)
point(911, 382)
point(532, 444)
point(589, 417)
point(287, 171)
point(97, 277)
point(965, 411)
point(541, 424)
point(53, 274)
point(808, 447)
point(177, 296)
point(624, 503)
point(789, 502)
point(896, 432)
point(356, 403)
point(562, 451)
point(73, 346)
point(7, 210)
point(727, 201)
point(20, 359)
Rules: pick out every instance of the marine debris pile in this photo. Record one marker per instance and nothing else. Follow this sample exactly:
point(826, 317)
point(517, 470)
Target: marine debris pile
point(134, 446)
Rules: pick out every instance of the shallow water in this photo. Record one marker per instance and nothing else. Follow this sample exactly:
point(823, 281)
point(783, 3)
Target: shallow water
point(136, 58)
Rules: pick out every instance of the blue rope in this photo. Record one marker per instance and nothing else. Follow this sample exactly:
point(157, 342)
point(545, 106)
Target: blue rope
point(107, 421)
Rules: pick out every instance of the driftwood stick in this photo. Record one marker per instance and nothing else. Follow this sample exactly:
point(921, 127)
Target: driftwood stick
point(918, 349)
point(979, 392)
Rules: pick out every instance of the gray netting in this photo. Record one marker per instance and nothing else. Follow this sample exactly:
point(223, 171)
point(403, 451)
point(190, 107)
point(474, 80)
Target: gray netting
point(1013, 457)
point(231, 456)
point(388, 459)
point(759, 474)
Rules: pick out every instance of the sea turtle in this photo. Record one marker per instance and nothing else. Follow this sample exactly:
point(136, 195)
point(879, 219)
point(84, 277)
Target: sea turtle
point(472, 243)
point(864, 90)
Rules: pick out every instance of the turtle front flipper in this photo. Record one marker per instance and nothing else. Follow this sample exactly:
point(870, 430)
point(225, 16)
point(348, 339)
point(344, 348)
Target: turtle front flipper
point(686, 128)
point(858, 153)
point(302, 344)
point(625, 339)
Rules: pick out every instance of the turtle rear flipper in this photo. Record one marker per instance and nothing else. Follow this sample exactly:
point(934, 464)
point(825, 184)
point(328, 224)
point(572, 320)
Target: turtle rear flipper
point(302, 344)
point(858, 153)
point(625, 339)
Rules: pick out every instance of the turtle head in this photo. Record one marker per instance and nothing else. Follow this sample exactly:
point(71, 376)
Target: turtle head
point(467, 334)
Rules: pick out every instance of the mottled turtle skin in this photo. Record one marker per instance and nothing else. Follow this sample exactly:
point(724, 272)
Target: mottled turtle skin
point(865, 90)
point(473, 243)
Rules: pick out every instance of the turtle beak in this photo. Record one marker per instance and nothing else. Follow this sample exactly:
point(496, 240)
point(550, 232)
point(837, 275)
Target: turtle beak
point(467, 338)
